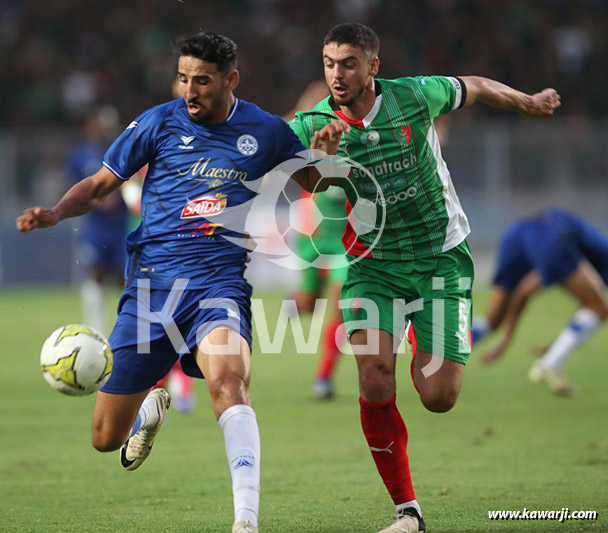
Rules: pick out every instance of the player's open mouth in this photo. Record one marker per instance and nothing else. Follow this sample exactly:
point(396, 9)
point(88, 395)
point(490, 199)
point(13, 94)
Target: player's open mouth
point(193, 108)
point(339, 91)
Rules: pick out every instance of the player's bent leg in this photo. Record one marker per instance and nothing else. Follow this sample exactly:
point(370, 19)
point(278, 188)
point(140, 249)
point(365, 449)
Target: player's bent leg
point(113, 417)
point(224, 357)
point(149, 420)
point(438, 389)
point(305, 301)
point(587, 286)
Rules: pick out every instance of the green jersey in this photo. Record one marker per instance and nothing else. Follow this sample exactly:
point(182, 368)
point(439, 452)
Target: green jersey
point(397, 143)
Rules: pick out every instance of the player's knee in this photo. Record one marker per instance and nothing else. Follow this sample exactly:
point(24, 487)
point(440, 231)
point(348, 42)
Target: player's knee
point(226, 387)
point(106, 442)
point(376, 379)
point(106, 437)
point(439, 400)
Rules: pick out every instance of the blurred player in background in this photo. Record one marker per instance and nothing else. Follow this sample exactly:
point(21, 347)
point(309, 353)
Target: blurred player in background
point(422, 254)
point(553, 247)
point(327, 237)
point(101, 238)
point(182, 262)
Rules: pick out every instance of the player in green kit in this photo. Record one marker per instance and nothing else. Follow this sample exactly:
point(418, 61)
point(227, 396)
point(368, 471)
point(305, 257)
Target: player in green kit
point(325, 239)
point(421, 257)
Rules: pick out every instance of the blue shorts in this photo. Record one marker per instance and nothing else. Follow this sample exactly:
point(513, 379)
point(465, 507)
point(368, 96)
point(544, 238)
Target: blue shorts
point(142, 357)
point(554, 250)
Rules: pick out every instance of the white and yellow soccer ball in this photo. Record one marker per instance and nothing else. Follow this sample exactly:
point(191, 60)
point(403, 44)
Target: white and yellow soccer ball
point(76, 360)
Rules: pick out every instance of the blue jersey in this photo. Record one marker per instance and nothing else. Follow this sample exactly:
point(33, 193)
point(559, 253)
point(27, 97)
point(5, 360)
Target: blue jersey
point(553, 243)
point(196, 173)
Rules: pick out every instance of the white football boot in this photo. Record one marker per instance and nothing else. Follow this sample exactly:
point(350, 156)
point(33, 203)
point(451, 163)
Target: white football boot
point(408, 521)
point(244, 526)
point(137, 448)
point(554, 379)
point(323, 389)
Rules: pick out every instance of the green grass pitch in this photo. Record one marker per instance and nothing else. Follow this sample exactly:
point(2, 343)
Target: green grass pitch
point(507, 445)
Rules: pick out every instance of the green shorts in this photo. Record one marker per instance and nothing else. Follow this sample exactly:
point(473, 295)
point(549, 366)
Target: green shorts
point(433, 292)
point(332, 271)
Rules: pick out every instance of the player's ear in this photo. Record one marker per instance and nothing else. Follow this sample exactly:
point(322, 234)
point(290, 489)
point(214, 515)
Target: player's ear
point(374, 65)
point(232, 80)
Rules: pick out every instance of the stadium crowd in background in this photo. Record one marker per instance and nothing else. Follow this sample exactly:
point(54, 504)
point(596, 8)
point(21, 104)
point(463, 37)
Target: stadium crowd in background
point(71, 55)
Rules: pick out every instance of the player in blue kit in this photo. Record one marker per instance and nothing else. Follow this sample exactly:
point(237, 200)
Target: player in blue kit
point(101, 249)
point(554, 247)
point(185, 291)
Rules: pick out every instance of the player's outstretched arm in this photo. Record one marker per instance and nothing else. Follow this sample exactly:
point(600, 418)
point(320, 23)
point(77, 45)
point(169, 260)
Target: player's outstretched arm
point(496, 94)
point(327, 140)
point(83, 197)
point(529, 285)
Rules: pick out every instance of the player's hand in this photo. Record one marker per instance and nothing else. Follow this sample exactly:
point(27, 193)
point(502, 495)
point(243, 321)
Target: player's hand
point(328, 138)
point(250, 245)
point(36, 217)
point(543, 104)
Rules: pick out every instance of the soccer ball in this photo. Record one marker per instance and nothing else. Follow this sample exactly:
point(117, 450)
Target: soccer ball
point(76, 360)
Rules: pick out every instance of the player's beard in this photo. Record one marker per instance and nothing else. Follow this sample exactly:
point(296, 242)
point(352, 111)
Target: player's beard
point(349, 100)
point(208, 113)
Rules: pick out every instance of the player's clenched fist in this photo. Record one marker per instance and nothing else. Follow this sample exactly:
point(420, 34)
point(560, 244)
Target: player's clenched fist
point(36, 217)
point(543, 104)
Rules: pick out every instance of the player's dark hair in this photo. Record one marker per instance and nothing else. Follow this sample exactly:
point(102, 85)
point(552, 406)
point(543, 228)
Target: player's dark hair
point(210, 47)
point(354, 34)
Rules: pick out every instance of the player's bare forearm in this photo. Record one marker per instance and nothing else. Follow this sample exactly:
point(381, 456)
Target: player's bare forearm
point(501, 96)
point(83, 197)
point(529, 285)
point(525, 289)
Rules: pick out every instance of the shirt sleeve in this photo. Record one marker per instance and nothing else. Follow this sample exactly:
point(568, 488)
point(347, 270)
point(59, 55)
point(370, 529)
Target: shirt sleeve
point(443, 94)
point(134, 147)
point(288, 143)
point(298, 126)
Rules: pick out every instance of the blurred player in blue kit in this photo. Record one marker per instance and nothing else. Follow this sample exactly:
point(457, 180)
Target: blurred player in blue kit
point(185, 280)
point(101, 237)
point(553, 247)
